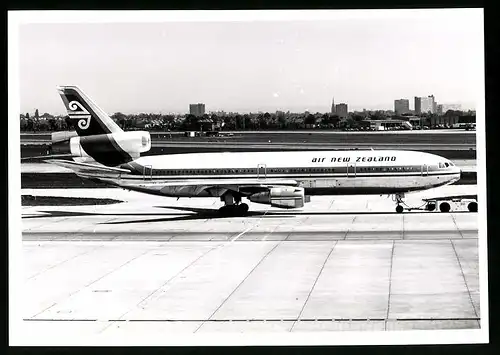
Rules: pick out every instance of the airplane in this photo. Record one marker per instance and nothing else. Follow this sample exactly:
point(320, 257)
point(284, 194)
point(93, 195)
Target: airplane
point(103, 152)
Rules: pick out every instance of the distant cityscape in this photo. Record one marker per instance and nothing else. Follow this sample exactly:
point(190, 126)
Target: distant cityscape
point(427, 113)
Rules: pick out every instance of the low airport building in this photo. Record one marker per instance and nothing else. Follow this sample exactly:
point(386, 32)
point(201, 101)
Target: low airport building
point(382, 125)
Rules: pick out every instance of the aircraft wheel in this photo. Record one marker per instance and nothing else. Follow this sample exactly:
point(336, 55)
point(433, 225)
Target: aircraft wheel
point(472, 207)
point(228, 211)
point(444, 207)
point(430, 206)
point(399, 209)
point(243, 207)
point(224, 211)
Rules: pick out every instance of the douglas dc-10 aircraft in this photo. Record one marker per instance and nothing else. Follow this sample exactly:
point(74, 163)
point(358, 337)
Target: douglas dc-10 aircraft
point(104, 152)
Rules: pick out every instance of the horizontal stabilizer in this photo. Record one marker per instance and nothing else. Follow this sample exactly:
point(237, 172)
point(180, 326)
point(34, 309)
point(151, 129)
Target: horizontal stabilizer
point(44, 157)
point(85, 168)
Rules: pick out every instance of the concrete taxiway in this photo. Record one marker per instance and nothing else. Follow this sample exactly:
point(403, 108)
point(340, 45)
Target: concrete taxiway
point(156, 265)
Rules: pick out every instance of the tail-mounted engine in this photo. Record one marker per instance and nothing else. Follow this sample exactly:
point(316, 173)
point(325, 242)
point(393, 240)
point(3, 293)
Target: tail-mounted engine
point(283, 197)
point(108, 149)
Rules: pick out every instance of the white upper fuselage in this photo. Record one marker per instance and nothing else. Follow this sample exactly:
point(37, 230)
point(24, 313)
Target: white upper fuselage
point(230, 160)
point(319, 172)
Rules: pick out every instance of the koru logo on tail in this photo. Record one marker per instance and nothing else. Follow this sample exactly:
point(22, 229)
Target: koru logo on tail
point(77, 111)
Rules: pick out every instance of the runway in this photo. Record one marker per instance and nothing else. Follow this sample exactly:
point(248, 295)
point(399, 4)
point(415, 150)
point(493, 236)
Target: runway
point(159, 266)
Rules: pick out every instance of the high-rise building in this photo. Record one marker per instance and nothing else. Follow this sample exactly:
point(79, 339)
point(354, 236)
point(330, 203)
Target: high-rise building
point(197, 109)
point(401, 106)
point(439, 109)
point(425, 104)
point(333, 105)
point(418, 105)
point(341, 110)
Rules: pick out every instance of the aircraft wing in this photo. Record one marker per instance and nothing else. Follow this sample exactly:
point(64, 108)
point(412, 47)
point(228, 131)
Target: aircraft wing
point(86, 168)
point(200, 187)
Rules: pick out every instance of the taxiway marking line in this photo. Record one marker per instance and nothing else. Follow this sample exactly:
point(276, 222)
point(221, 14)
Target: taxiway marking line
point(242, 233)
point(249, 228)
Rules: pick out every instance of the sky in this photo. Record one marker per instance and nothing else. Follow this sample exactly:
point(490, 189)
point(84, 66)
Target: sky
point(364, 59)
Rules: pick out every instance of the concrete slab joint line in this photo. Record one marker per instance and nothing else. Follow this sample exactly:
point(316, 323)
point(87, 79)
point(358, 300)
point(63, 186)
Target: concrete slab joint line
point(267, 235)
point(348, 229)
point(237, 287)
point(314, 284)
point(465, 281)
point(94, 281)
point(402, 227)
point(456, 225)
point(390, 284)
point(64, 261)
point(161, 287)
point(305, 320)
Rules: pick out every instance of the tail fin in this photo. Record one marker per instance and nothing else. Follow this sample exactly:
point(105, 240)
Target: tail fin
point(91, 119)
point(100, 138)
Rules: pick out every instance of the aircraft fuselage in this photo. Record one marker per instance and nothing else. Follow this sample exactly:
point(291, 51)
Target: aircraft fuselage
point(318, 172)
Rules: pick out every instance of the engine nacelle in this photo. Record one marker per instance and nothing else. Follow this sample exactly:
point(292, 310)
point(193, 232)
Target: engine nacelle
point(134, 143)
point(282, 197)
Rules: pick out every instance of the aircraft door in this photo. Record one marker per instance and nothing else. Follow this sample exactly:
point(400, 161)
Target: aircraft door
point(261, 171)
point(425, 170)
point(351, 170)
point(147, 173)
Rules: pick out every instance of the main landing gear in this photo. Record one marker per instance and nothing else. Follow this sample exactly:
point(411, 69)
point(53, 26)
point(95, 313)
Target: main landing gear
point(232, 206)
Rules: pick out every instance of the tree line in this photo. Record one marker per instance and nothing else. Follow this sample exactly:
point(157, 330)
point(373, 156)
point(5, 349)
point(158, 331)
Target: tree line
point(228, 122)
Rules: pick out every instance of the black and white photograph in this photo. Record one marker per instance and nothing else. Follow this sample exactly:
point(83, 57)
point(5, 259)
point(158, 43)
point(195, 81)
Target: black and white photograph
point(298, 177)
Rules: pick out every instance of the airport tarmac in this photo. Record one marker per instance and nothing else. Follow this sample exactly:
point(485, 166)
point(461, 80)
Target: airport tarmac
point(158, 266)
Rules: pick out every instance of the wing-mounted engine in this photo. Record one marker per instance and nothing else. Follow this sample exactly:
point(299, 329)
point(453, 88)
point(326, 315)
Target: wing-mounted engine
point(282, 197)
point(109, 149)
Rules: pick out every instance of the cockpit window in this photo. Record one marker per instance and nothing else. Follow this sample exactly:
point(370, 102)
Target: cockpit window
point(441, 165)
point(446, 164)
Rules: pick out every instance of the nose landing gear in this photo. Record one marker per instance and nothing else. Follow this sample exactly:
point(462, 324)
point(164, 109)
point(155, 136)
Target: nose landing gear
point(399, 200)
